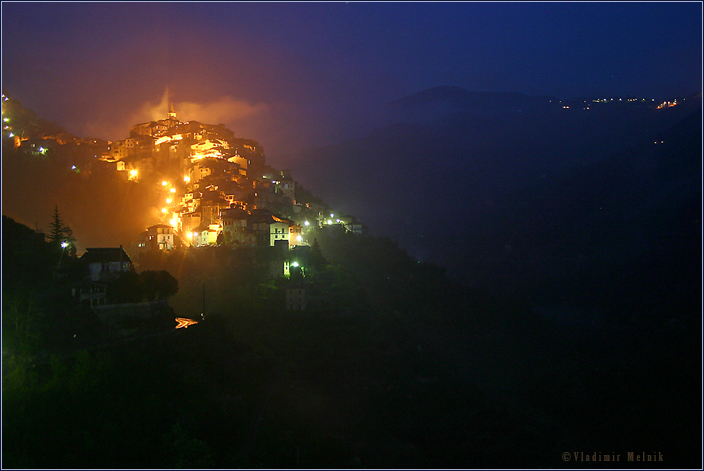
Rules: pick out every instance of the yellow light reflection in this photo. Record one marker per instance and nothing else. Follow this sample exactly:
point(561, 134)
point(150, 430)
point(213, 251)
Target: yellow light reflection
point(184, 322)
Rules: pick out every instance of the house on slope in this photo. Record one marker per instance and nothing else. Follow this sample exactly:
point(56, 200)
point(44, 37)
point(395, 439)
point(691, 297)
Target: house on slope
point(106, 264)
point(157, 237)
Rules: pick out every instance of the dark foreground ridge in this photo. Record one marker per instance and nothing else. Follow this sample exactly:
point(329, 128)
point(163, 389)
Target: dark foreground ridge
point(392, 366)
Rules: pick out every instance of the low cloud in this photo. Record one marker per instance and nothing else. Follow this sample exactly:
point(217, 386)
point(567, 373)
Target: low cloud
point(223, 110)
point(226, 110)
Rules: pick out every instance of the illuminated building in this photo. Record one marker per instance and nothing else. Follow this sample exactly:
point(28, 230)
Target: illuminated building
point(157, 237)
point(295, 235)
point(206, 234)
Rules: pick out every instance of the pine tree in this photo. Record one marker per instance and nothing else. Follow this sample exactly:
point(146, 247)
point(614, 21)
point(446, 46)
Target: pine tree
point(56, 226)
point(60, 233)
point(68, 237)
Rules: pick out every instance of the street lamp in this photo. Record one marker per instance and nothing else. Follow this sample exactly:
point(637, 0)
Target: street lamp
point(64, 244)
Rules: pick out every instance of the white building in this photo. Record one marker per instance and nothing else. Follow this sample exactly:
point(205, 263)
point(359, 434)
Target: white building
point(278, 231)
point(160, 237)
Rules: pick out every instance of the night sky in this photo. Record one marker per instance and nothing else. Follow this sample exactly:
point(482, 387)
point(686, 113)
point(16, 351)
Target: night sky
point(304, 74)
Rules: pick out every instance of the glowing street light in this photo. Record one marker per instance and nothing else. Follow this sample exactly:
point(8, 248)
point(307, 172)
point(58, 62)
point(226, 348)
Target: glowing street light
point(64, 244)
point(294, 264)
point(173, 190)
point(164, 183)
point(186, 179)
point(163, 210)
point(168, 200)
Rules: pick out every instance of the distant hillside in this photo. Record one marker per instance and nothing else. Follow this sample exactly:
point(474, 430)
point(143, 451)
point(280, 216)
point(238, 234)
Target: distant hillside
point(618, 233)
point(433, 102)
point(461, 155)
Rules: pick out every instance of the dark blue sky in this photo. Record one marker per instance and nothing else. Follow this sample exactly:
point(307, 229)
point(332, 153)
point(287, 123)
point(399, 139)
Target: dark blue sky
point(293, 74)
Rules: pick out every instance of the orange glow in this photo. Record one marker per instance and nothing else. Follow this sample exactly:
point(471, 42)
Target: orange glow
point(184, 322)
point(173, 190)
point(168, 200)
point(667, 104)
point(164, 183)
point(186, 179)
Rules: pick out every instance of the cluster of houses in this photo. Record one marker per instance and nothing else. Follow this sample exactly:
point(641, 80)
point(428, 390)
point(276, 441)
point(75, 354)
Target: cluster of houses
point(240, 228)
point(216, 188)
point(217, 191)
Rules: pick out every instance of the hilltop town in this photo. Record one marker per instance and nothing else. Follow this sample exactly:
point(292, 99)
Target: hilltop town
point(213, 188)
point(217, 188)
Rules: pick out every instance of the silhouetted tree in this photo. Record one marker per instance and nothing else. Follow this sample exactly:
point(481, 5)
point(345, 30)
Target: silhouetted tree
point(157, 284)
point(60, 232)
point(126, 288)
point(147, 280)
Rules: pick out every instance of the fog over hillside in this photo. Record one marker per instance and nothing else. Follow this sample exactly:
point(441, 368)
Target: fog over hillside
point(446, 157)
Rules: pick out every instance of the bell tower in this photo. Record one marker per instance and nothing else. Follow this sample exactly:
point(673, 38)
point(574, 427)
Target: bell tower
point(172, 113)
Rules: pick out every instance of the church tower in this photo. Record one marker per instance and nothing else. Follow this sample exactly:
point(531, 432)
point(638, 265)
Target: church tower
point(172, 113)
